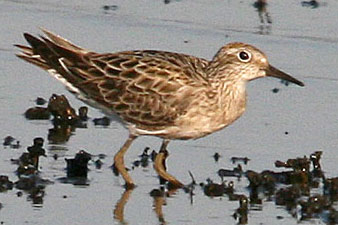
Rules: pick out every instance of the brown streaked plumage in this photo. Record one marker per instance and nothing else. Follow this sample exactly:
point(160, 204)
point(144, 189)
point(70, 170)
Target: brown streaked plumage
point(165, 94)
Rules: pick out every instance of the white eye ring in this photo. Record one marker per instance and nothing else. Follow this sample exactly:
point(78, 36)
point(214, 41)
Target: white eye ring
point(244, 56)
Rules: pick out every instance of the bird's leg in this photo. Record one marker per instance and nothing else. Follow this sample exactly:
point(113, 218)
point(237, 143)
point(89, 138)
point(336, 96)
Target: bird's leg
point(119, 162)
point(160, 167)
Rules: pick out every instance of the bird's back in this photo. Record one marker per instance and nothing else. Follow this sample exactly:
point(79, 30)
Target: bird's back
point(148, 89)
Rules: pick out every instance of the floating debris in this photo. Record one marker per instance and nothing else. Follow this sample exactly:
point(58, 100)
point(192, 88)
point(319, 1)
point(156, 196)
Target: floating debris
point(331, 188)
point(153, 155)
point(8, 142)
point(216, 156)
point(286, 83)
point(110, 7)
point(35, 186)
point(83, 113)
point(5, 183)
point(314, 206)
point(245, 160)
point(29, 161)
point(103, 121)
point(236, 172)
point(169, 1)
point(114, 170)
point(55, 156)
point(189, 188)
point(78, 166)
point(60, 133)
point(315, 159)
point(102, 156)
point(157, 193)
point(297, 195)
point(298, 164)
point(293, 188)
point(212, 189)
point(36, 150)
point(311, 4)
point(40, 101)
point(29, 180)
point(59, 107)
point(242, 212)
point(98, 164)
point(144, 159)
point(275, 90)
point(259, 4)
point(37, 113)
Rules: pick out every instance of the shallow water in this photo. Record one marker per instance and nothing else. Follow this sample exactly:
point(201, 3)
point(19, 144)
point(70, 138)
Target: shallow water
point(301, 40)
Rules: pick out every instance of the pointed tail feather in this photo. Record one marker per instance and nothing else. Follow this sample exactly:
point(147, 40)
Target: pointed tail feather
point(62, 41)
point(63, 52)
point(34, 60)
point(28, 55)
point(58, 56)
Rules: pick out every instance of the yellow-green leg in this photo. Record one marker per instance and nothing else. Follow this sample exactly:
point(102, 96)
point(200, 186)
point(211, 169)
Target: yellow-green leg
point(119, 162)
point(159, 166)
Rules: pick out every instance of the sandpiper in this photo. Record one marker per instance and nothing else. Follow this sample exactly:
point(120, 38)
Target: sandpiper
point(164, 94)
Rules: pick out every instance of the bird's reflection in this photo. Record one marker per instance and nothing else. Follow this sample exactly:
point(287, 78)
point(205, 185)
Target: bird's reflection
point(60, 134)
point(159, 200)
point(119, 207)
point(264, 16)
point(169, 1)
point(313, 4)
point(159, 196)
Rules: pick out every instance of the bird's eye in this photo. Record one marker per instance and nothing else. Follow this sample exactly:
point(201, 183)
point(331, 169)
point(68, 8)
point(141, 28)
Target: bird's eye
point(244, 56)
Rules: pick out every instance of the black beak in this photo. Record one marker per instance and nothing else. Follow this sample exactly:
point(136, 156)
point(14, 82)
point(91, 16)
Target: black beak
point(274, 72)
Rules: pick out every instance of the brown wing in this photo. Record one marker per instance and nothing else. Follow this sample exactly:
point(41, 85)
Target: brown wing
point(147, 87)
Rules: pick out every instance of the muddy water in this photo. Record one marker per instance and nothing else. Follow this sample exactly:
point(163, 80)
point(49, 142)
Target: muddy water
point(298, 38)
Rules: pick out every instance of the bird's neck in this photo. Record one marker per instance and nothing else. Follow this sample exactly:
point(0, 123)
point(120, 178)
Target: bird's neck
point(232, 100)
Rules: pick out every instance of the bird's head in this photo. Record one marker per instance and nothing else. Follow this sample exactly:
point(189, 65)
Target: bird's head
point(242, 62)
